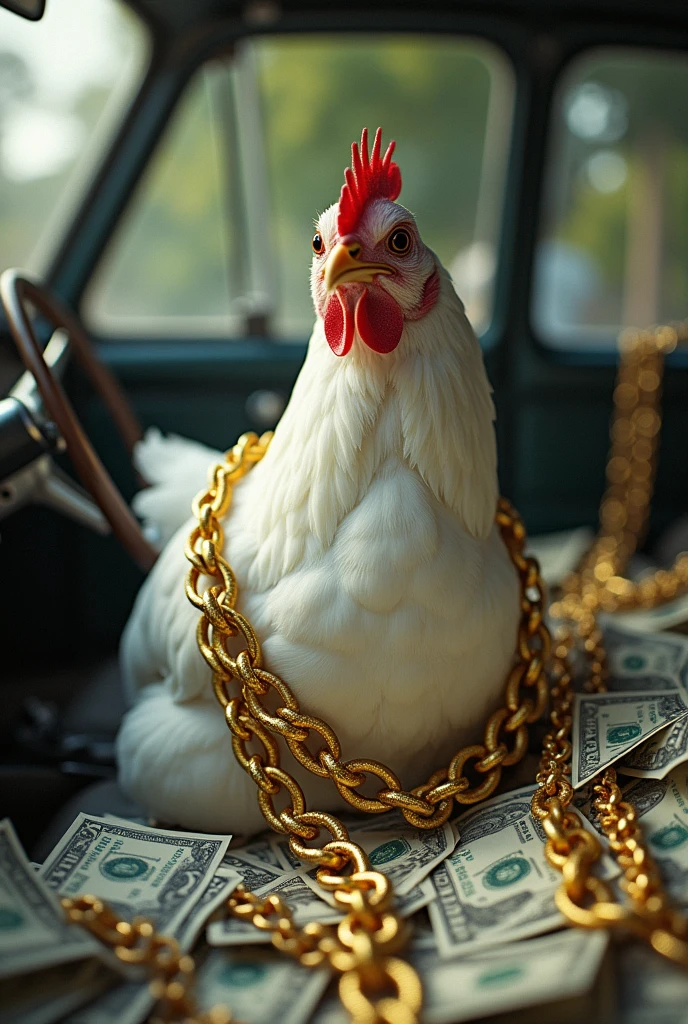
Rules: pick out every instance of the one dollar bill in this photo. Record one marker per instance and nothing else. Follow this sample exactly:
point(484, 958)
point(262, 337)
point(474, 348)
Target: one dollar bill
point(660, 755)
point(607, 726)
point(33, 929)
point(137, 870)
point(642, 661)
point(497, 886)
point(53, 993)
point(259, 986)
point(523, 974)
point(662, 809)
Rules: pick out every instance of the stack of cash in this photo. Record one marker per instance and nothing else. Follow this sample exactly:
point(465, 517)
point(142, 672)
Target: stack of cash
point(641, 725)
point(488, 940)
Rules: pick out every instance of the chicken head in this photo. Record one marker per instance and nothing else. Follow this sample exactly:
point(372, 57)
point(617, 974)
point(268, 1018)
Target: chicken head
point(371, 271)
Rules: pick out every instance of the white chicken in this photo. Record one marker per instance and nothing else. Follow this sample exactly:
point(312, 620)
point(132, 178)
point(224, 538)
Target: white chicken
point(364, 542)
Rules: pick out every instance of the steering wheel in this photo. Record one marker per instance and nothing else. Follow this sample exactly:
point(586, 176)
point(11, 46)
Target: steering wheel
point(39, 390)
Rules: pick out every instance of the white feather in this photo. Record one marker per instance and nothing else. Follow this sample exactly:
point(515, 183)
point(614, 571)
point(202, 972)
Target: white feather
point(176, 469)
point(368, 561)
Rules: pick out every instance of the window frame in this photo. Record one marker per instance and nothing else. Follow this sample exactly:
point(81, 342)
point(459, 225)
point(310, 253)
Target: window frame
point(223, 46)
point(607, 354)
point(538, 55)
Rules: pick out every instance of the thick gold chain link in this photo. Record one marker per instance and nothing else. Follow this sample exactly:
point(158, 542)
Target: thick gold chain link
point(598, 585)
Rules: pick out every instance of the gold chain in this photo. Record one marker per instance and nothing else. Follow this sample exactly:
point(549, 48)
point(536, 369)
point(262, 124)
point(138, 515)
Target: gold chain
point(137, 943)
point(360, 949)
point(427, 806)
point(598, 585)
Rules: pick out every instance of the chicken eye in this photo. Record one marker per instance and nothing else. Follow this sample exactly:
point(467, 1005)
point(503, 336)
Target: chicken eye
point(399, 242)
point(318, 244)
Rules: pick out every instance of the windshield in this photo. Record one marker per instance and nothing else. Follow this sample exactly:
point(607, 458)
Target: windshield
point(217, 238)
point(65, 83)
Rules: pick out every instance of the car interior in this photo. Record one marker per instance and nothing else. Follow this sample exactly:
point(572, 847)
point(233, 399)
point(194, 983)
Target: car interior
point(160, 167)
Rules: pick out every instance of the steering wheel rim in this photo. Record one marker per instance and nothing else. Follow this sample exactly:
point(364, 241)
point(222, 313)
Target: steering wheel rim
point(16, 289)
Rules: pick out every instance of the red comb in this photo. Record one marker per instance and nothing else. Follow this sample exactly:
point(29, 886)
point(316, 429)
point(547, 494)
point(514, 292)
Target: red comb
point(366, 179)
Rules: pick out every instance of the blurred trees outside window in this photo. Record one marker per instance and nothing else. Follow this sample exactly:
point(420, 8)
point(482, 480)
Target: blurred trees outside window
point(614, 239)
point(216, 240)
point(65, 83)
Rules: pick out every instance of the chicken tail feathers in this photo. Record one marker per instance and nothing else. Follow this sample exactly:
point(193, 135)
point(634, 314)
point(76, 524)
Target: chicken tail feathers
point(176, 468)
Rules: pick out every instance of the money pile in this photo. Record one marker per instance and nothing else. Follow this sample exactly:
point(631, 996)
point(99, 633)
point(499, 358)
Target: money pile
point(488, 938)
point(641, 724)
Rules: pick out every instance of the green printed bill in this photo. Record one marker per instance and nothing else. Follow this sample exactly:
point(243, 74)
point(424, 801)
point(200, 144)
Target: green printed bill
point(608, 726)
point(131, 1002)
point(662, 809)
point(260, 986)
point(659, 755)
point(497, 887)
point(550, 970)
point(53, 993)
point(33, 930)
point(640, 661)
point(652, 620)
point(136, 869)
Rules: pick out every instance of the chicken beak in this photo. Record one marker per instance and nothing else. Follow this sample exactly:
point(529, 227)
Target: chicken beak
point(342, 266)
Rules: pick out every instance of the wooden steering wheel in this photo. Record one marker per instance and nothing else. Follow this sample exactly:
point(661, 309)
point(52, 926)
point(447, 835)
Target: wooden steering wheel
point(17, 291)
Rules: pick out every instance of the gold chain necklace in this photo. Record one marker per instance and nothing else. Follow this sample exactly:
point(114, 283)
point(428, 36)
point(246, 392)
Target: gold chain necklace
point(598, 585)
point(361, 946)
point(427, 806)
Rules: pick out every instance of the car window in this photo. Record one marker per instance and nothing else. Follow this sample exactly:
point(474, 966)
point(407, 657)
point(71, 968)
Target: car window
point(613, 248)
point(65, 82)
point(172, 265)
point(217, 237)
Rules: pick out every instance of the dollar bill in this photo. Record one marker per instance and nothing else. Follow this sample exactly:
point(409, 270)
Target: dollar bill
point(260, 851)
point(259, 986)
point(662, 807)
point(652, 990)
point(254, 874)
point(652, 620)
point(221, 886)
point(405, 854)
point(33, 929)
point(641, 661)
point(524, 974)
point(304, 903)
point(53, 993)
point(606, 726)
point(233, 932)
point(130, 1002)
point(559, 553)
point(658, 756)
point(158, 874)
point(497, 886)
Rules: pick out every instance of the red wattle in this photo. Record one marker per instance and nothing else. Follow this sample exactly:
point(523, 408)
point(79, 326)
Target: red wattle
point(339, 326)
point(379, 320)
